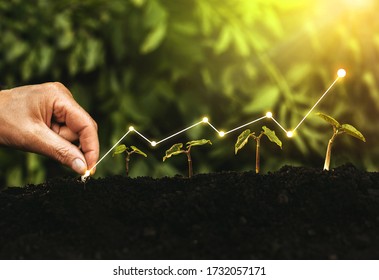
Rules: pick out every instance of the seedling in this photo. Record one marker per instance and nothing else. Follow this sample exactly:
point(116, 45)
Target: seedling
point(177, 149)
point(337, 130)
point(128, 152)
point(244, 137)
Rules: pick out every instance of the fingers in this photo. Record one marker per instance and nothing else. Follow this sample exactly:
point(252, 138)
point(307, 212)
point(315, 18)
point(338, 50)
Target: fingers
point(82, 125)
point(78, 124)
point(64, 132)
point(45, 119)
point(45, 141)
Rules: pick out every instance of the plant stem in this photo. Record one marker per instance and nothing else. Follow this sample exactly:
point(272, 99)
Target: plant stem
point(127, 159)
point(257, 156)
point(329, 149)
point(190, 170)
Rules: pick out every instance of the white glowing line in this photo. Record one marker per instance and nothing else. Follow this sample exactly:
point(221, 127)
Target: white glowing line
point(215, 129)
point(109, 151)
point(318, 101)
point(246, 124)
point(140, 134)
point(279, 124)
point(179, 132)
point(341, 74)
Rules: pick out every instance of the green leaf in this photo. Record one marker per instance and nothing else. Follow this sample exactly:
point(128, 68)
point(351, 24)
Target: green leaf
point(329, 119)
point(271, 136)
point(138, 3)
point(17, 50)
point(174, 150)
point(93, 54)
point(155, 13)
point(240, 42)
point(267, 97)
point(186, 28)
point(351, 130)
point(242, 140)
point(119, 149)
point(138, 151)
point(207, 78)
point(63, 26)
point(224, 40)
point(154, 38)
point(198, 143)
point(45, 57)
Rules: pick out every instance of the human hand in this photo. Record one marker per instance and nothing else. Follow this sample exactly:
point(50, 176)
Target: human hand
point(45, 119)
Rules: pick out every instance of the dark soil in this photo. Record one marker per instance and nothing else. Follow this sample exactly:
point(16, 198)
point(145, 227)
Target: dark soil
point(295, 213)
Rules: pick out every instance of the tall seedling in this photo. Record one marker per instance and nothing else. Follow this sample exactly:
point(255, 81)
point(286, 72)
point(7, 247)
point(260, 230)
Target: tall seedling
point(128, 152)
point(337, 130)
point(176, 149)
point(244, 137)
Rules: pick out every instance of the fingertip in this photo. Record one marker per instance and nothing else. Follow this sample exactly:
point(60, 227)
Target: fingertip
point(79, 166)
point(91, 158)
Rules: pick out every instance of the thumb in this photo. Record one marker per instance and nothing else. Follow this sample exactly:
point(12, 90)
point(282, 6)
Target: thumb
point(50, 144)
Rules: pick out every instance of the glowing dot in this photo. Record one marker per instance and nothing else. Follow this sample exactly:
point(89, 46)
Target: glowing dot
point(84, 177)
point(289, 134)
point(221, 133)
point(205, 120)
point(153, 143)
point(131, 128)
point(269, 115)
point(341, 73)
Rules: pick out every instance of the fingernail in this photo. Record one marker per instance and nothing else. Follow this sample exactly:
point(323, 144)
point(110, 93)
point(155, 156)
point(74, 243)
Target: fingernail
point(79, 166)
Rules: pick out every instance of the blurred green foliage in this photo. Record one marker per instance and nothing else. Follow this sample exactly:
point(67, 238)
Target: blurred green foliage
point(161, 65)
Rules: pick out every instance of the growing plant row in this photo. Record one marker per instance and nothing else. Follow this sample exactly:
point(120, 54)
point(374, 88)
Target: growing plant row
point(241, 141)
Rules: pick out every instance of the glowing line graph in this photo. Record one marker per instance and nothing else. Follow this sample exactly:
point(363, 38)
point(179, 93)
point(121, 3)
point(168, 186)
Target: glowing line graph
point(340, 74)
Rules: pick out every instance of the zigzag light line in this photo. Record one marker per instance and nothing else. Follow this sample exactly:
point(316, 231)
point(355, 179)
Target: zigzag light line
point(340, 74)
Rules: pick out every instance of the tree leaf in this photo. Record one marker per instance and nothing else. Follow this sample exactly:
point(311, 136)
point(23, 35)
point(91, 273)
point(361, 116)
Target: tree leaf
point(223, 41)
point(153, 39)
point(329, 119)
point(119, 149)
point(240, 42)
point(174, 150)
point(198, 143)
point(266, 97)
point(351, 130)
point(272, 136)
point(94, 53)
point(242, 140)
point(138, 3)
point(138, 151)
point(17, 50)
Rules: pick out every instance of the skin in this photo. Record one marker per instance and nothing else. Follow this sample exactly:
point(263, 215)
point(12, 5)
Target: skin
point(45, 119)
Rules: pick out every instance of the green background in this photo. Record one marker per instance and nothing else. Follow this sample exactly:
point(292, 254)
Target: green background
point(161, 65)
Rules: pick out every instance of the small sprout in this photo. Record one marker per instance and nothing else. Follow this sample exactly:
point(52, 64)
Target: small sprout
point(85, 177)
point(244, 137)
point(128, 152)
point(177, 149)
point(337, 130)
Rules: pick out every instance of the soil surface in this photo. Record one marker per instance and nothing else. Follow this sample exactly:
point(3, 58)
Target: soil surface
point(294, 213)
